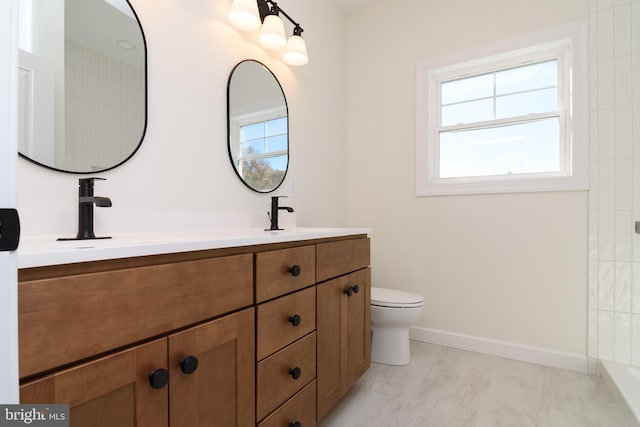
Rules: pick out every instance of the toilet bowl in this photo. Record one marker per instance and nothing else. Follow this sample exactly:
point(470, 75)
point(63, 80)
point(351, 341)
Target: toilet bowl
point(392, 313)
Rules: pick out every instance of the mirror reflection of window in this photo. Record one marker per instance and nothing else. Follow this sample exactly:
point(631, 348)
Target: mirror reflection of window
point(262, 157)
point(258, 127)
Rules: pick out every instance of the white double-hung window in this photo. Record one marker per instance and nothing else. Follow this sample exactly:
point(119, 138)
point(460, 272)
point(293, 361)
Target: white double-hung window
point(504, 117)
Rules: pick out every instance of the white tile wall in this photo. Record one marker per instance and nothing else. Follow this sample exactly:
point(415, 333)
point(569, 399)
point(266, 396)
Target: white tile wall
point(104, 115)
point(614, 247)
point(635, 339)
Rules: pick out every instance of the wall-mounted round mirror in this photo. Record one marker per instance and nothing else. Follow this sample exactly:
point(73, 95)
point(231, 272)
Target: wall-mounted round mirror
point(82, 84)
point(258, 126)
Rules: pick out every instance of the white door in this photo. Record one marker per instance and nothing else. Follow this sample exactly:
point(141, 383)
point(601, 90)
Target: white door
point(8, 159)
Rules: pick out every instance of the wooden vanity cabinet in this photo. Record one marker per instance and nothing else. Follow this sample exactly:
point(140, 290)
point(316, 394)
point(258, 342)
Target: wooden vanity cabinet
point(199, 372)
point(70, 313)
point(344, 323)
point(111, 391)
point(286, 338)
point(260, 335)
point(117, 390)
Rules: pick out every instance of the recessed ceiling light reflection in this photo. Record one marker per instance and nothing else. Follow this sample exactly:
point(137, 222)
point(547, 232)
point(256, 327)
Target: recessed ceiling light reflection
point(125, 44)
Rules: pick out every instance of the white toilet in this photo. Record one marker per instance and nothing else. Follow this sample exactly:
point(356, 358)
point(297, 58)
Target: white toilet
point(392, 313)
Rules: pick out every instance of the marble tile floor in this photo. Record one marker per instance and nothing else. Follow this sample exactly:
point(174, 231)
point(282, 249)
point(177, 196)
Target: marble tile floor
point(446, 387)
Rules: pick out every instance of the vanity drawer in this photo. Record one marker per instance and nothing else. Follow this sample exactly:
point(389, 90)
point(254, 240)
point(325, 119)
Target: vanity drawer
point(275, 321)
point(334, 259)
point(69, 318)
point(300, 408)
point(276, 375)
point(283, 271)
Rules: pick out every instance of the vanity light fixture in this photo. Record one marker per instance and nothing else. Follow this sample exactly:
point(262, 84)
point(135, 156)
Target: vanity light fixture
point(272, 35)
point(251, 15)
point(244, 15)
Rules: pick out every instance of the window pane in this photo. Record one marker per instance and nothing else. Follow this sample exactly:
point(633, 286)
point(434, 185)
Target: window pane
point(277, 143)
point(264, 174)
point(467, 89)
point(467, 112)
point(528, 77)
point(250, 148)
point(253, 131)
point(521, 104)
point(521, 148)
point(277, 126)
point(278, 163)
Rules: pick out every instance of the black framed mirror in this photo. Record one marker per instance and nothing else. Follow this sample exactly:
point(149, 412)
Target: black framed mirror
point(257, 126)
point(82, 84)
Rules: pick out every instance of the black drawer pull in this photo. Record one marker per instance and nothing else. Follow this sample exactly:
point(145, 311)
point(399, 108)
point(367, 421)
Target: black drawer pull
point(295, 270)
point(189, 364)
point(352, 290)
point(295, 424)
point(159, 378)
point(295, 372)
point(295, 320)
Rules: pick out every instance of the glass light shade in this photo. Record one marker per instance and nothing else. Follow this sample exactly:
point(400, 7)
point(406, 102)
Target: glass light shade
point(296, 51)
point(244, 15)
point(272, 33)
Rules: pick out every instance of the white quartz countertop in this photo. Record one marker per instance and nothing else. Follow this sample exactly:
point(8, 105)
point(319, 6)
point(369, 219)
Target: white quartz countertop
point(44, 251)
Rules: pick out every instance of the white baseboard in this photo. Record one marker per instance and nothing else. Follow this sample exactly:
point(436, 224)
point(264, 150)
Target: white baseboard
point(509, 350)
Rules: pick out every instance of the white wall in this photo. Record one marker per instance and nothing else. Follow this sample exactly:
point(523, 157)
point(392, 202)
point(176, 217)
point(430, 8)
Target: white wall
point(183, 162)
point(508, 267)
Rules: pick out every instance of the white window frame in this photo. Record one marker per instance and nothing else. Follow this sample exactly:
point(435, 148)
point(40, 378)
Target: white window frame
point(248, 119)
point(566, 42)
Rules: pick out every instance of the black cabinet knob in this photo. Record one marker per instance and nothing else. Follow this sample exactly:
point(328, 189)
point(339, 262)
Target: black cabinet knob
point(295, 270)
point(356, 289)
point(189, 364)
point(349, 291)
point(159, 378)
point(295, 424)
point(295, 372)
point(295, 320)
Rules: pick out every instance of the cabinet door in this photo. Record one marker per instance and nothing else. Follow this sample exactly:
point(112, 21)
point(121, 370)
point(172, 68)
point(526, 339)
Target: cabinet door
point(220, 391)
point(332, 356)
point(113, 391)
point(343, 330)
point(359, 329)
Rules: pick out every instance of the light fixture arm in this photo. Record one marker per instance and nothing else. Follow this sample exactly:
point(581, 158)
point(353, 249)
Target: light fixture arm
point(267, 7)
point(251, 15)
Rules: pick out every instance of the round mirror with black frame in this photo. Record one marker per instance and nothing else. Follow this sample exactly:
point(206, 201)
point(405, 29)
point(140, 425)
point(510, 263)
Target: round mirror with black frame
point(257, 126)
point(82, 84)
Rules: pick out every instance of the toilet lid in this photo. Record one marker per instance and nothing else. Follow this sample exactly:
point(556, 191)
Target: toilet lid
point(384, 297)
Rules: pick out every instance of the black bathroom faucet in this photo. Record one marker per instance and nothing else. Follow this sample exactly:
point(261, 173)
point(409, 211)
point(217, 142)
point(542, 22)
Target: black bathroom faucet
point(274, 212)
point(86, 200)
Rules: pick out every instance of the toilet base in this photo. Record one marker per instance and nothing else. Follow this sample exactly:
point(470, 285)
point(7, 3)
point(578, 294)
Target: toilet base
point(390, 345)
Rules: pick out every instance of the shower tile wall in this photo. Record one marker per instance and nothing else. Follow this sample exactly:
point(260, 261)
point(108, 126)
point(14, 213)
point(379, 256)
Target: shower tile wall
point(614, 197)
point(103, 108)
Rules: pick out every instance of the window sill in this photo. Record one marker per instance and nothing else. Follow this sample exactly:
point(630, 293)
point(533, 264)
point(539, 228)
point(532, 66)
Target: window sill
point(501, 185)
